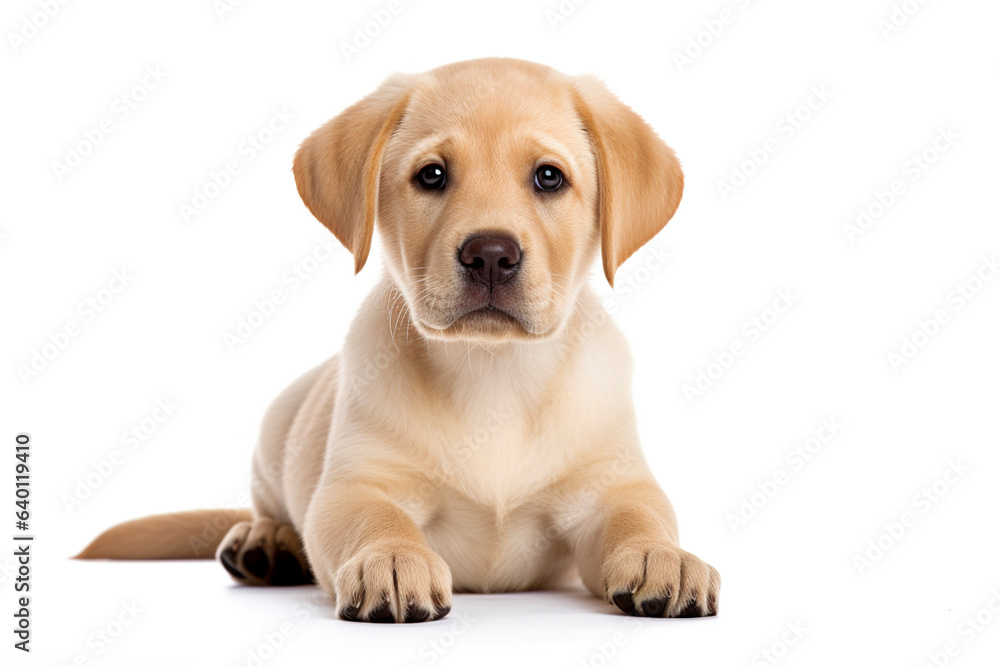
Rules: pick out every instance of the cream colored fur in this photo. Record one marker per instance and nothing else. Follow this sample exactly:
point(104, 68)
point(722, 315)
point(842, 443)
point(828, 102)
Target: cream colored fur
point(442, 450)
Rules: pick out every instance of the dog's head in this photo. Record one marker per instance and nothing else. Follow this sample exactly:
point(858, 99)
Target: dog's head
point(494, 183)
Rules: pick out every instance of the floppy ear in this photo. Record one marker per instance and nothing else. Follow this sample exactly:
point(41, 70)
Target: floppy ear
point(639, 178)
point(337, 167)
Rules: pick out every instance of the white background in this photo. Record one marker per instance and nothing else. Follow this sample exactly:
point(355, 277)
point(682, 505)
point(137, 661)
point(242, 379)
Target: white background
point(162, 337)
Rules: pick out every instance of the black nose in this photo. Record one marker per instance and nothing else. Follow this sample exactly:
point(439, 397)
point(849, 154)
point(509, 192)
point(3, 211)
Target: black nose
point(490, 260)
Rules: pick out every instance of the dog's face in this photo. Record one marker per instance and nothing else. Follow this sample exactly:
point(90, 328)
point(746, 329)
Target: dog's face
point(495, 183)
point(487, 205)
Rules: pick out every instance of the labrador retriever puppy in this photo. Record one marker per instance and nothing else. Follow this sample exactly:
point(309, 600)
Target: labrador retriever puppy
point(476, 433)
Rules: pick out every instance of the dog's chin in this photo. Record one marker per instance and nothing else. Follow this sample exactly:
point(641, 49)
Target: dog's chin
point(486, 324)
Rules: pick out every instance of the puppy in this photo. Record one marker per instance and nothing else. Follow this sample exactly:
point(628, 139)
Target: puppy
point(476, 433)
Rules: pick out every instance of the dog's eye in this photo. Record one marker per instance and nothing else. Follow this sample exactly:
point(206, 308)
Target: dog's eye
point(431, 177)
point(548, 178)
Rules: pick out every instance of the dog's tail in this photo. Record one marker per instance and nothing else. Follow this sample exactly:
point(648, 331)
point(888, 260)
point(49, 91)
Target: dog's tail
point(180, 535)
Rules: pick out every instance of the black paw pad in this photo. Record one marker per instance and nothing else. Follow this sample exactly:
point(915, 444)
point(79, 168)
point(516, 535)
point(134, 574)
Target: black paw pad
point(416, 614)
point(441, 611)
point(690, 611)
point(256, 562)
point(288, 571)
point(625, 602)
point(382, 613)
point(655, 607)
point(228, 560)
point(350, 613)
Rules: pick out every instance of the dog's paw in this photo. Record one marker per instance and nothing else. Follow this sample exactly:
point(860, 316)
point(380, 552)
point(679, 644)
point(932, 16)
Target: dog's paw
point(264, 553)
point(660, 581)
point(398, 583)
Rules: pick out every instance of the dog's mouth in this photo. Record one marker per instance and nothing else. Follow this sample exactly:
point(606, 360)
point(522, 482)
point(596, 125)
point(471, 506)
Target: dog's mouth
point(483, 320)
point(485, 314)
point(486, 322)
point(491, 313)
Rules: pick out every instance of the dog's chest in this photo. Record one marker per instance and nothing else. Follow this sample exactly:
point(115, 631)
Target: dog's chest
point(489, 550)
point(499, 455)
point(492, 521)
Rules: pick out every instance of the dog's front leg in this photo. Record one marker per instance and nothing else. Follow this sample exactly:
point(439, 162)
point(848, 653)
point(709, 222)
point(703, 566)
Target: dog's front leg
point(371, 557)
point(628, 553)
